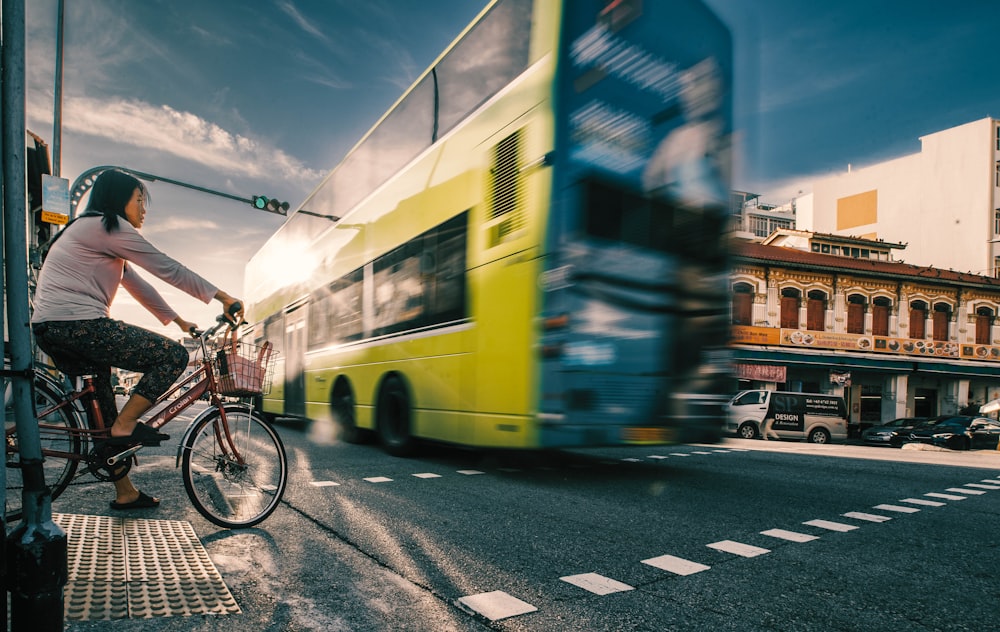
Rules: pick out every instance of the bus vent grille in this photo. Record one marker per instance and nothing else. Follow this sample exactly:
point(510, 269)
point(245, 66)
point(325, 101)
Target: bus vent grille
point(506, 190)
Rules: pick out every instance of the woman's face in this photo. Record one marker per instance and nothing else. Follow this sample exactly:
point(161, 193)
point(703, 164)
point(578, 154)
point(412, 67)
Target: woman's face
point(135, 210)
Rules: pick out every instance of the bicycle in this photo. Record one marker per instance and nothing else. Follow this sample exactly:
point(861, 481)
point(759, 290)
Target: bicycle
point(232, 461)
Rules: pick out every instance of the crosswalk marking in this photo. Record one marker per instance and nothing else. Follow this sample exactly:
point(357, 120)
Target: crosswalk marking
point(470, 472)
point(738, 548)
point(981, 486)
point(962, 490)
point(831, 526)
point(676, 565)
point(945, 496)
point(597, 584)
point(427, 475)
point(378, 479)
point(323, 483)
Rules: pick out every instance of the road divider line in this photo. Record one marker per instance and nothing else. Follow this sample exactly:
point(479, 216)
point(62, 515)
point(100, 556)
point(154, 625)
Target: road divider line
point(792, 536)
point(738, 548)
point(858, 515)
point(896, 508)
point(676, 565)
point(597, 584)
point(831, 526)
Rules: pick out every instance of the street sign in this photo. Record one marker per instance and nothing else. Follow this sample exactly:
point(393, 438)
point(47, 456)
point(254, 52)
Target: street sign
point(55, 199)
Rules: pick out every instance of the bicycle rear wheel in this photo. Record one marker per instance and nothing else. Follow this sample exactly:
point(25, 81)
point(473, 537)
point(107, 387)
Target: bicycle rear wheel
point(55, 436)
point(234, 489)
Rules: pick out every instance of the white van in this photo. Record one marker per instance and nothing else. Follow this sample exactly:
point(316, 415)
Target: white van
point(812, 416)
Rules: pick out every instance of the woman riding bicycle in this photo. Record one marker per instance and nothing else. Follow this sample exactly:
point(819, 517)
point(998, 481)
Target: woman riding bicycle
point(92, 256)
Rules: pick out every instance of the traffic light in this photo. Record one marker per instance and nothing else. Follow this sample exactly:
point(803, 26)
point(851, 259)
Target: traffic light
point(271, 205)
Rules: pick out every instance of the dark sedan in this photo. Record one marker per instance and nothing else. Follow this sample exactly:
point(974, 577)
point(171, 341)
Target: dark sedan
point(892, 433)
point(958, 432)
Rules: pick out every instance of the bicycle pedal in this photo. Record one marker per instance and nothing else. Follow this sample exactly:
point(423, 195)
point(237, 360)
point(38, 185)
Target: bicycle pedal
point(118, 457)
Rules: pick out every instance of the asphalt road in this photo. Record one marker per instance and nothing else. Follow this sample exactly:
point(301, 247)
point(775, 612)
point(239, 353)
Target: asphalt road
point(365, 541)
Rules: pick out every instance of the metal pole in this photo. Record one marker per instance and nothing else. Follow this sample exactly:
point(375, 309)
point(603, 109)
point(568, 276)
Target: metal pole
point(57, 106)
point(37, 547)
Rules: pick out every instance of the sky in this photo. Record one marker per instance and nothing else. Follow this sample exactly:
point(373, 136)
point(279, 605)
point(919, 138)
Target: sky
point(266, 97)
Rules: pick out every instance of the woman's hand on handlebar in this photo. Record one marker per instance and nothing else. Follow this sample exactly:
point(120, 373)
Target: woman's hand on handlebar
point(185, 325)
point(232, 307)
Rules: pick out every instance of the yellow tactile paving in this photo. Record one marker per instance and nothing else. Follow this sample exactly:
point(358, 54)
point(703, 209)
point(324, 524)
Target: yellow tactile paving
point(122, 568)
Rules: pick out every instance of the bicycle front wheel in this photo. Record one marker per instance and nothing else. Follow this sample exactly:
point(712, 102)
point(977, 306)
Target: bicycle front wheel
point(234, 467)
point(55, 430)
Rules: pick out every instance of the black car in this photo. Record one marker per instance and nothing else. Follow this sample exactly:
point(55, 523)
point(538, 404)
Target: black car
point(892, 433)
point(958, 432)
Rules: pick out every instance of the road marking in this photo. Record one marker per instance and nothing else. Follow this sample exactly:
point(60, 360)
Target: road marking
point(323, 483)
point(981, 486)
point(700, 452)
point(896, 508)
point(632, 459)
point(738, 548)
point(962, 490)
point(992, 481)
point(831, 526)
point(679, 454)
point(656, 456)
point(793, 536)
point(495, 605)
point(470, 472)
point(945, 496)
point(379, 479)
point(676, 565)
point(427, 475)
point(597, 584)
point(722, 451)
point(921, 501)
point(857, 515)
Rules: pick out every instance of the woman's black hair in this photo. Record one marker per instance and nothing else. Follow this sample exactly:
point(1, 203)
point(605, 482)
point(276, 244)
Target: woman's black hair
point(112, 191)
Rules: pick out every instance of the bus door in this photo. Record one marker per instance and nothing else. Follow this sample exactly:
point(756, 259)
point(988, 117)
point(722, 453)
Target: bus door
point(295, 353)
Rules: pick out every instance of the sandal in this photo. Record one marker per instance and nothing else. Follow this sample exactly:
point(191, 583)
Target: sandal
point(143, 434)
point(144, 501)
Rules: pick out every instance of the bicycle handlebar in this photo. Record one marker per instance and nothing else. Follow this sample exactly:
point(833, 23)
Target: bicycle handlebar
point(227, 318)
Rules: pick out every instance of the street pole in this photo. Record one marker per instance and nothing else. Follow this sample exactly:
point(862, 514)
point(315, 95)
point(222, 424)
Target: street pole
point(36, 550)
point(57, 105)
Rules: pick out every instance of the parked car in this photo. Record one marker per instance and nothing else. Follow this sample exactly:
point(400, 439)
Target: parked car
point(958, 432)
point(892, 433)
point(121, 390)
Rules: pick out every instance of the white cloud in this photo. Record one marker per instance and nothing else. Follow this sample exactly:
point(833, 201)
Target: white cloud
point(182, 134)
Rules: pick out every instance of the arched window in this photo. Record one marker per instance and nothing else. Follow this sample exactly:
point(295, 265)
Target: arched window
point(816, 311)
point(984, 325)
point(918, 318)
point(881, 307)
point(742, 304)
point(942, 318)
point(790, 308)
point(856, 304)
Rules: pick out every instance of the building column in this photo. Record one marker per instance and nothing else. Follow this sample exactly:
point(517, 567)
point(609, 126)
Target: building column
point(895, 395)
point(954, 396)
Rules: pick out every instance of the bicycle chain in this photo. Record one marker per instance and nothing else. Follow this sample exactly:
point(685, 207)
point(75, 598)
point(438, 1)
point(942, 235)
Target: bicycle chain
point(97, 463)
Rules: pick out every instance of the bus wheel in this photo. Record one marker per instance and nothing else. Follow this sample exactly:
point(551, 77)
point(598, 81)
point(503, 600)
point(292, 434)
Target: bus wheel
point(747, 431)
point(342, 407)
point(393, 417)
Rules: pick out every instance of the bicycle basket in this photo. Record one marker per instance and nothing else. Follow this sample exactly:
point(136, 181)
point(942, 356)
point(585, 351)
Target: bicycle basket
point(244, 368)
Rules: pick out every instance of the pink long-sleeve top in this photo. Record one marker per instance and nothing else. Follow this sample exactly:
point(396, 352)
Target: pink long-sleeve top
point(86, 265)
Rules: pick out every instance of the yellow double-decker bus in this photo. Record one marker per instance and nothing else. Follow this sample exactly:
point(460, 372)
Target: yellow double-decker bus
point(527, 249)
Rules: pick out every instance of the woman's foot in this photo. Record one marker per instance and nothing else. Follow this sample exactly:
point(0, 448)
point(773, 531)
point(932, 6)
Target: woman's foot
point(141, 433)
point(139, 500)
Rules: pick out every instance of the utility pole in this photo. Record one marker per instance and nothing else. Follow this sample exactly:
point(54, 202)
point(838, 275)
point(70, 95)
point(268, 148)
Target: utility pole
point(36, 550)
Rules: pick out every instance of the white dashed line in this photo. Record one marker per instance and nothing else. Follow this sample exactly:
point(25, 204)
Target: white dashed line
point(676, 565)
point(656, 456)
point(427, 475)
point(921, 501)
point(323, 483)
point(896, 508)
point(981, 486)
point(990, 481)
point(962, 490)
point(793, 536)
point(597, 584)
point(379, 479)
point(495, 605)
point(857, 515)
point(632, 460)
point(470, 472)
point(831, 526)
point(945, 496)
point(700, 452)
point(679, 454)
point(738, 548)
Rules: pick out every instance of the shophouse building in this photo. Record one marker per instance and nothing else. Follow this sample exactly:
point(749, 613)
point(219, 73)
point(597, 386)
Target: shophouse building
point(823, 313)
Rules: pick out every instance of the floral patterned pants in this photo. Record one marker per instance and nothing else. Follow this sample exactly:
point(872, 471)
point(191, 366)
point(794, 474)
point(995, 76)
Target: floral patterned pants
point(92, 347)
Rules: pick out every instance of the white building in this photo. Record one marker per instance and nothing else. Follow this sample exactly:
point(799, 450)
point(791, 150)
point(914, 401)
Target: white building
point(943, 202)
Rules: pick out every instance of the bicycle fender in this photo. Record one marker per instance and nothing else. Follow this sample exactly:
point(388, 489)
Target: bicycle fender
point(194, 424)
